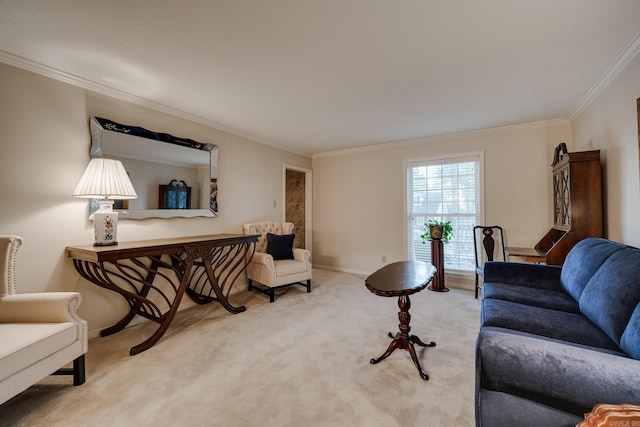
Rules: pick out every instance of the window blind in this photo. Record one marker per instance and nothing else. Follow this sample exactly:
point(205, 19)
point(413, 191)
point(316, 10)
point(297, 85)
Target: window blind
point(444, 190)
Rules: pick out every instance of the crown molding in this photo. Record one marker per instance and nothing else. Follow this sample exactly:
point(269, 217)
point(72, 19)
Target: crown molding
point(53, 73)
point(627, 55)
point(446, 137)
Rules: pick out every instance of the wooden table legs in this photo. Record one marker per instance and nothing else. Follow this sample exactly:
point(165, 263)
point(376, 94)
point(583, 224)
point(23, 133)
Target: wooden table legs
point(404, 339)
point(204, 270)
point(134, 280)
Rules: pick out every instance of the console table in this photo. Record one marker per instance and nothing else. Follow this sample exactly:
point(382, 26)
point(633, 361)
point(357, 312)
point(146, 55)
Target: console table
point(153, 275)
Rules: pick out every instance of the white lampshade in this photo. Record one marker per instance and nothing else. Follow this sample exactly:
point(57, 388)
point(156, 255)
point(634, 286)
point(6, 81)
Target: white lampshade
point(105, 178)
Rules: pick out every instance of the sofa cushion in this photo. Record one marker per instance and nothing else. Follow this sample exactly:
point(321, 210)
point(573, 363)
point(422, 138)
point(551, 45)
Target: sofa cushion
point(544, 322)
point(616, 352)
point(570, 378)
point(539, 276)
point(554, 300)
point(280, 246)
point(23, 344)
point(584, 259)
point(630, 341)
point(613, 292)
point(507, 410)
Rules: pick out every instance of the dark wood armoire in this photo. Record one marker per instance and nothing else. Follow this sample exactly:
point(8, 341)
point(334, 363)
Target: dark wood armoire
point(577, 207)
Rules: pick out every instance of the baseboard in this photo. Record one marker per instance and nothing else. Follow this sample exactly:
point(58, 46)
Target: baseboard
point(342, 270)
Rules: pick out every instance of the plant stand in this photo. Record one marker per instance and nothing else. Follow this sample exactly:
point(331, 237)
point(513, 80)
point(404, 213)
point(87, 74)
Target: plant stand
point(437, 259)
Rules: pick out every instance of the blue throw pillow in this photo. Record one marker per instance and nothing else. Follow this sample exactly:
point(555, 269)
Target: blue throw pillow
point(280, 246)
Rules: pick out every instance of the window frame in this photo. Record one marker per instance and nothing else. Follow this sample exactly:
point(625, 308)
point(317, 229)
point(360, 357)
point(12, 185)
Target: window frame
point(449, 158)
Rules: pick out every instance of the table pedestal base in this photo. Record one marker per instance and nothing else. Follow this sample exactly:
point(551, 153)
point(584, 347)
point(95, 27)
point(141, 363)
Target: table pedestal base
point(404, 339)
point(437, 259)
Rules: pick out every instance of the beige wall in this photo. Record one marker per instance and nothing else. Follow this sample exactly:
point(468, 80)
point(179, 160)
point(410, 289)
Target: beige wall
point(44, 149)
point(610, 124)
point(359, 195)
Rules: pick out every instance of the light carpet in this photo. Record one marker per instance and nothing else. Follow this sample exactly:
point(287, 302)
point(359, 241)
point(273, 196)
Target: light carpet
point(301, 361)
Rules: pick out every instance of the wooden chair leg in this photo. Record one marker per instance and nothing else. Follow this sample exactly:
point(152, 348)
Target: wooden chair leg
point(78, 371)
point(249, 285)
point(272, 295)
point(308, 285)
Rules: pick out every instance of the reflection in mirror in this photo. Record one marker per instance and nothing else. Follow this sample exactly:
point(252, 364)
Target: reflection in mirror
point(174, 177)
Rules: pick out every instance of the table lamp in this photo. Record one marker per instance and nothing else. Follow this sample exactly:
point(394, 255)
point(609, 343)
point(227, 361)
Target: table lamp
point(107, 180)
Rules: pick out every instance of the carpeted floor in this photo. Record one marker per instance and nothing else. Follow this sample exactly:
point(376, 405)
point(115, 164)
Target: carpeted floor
point(301, 361)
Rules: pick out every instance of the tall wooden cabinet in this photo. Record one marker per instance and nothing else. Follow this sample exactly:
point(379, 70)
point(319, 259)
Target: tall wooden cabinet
point(175, 195)
point(577, 210)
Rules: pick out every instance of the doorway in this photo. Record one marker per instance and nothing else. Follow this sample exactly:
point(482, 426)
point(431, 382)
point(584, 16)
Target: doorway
point(297, 205)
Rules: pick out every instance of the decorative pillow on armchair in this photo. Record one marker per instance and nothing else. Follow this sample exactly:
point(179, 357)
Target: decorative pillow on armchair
point(280, 246)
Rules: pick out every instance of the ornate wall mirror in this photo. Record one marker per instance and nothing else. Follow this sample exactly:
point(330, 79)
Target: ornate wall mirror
point(156, 162)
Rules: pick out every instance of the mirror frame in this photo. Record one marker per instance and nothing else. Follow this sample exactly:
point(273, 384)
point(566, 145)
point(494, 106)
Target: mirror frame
point(101, 127)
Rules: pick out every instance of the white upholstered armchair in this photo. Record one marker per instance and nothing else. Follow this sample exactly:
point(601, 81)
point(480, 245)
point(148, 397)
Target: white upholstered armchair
point(40, 333)
point(275, 263)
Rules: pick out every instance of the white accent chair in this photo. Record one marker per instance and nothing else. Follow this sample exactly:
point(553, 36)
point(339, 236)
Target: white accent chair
point(270, 274)
point(40, 333)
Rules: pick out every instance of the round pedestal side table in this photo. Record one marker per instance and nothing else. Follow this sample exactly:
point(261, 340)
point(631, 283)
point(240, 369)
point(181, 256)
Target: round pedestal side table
point(402, 279)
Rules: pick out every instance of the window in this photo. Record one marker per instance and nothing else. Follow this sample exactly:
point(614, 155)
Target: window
point(444, 189)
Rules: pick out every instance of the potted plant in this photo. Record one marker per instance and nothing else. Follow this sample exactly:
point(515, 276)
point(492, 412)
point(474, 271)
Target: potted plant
point(438, 230)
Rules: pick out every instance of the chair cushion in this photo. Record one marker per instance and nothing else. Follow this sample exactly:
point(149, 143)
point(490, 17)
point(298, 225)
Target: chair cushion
point(288, 267)
point(24, 344)
point(280, 246)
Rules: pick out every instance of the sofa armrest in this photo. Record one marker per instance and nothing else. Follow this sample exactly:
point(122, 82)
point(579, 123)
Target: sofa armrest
point(568, 377)
point(44, 307)
point(540, 276)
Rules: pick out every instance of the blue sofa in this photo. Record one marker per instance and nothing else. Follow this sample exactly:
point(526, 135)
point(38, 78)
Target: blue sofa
point(554, 341)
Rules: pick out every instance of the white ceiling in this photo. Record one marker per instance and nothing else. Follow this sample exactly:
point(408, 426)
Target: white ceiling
point(322, 75)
